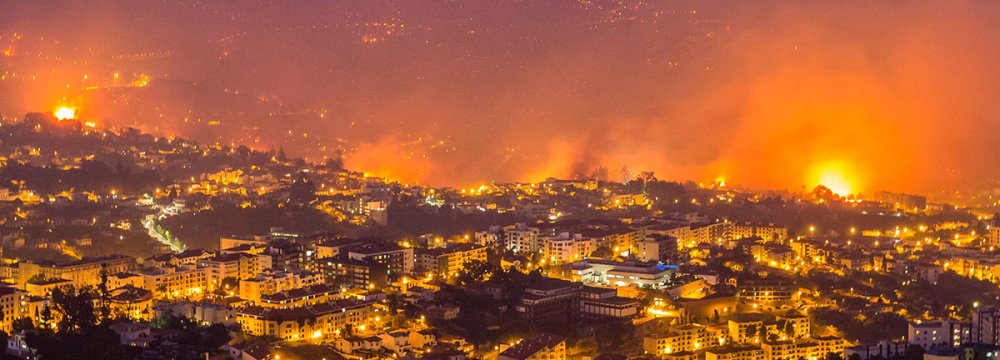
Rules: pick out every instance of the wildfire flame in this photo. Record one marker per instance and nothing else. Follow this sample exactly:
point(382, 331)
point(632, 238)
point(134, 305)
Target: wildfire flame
point(836, 179)
point(65, 113)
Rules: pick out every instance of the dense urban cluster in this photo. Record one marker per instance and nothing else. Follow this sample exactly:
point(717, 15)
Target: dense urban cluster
point(119, 244)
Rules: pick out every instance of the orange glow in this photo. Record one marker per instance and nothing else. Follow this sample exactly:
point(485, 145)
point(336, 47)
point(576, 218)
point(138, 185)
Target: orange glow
point(835, 177)
point(65, 113)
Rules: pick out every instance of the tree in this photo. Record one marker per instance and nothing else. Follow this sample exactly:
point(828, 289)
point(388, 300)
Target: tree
point(336, 163)
point(281, 154)
point(602, 252)
point(229, 284)
point(104, 299)
point(79, 335)
point(615, 333)
point(474, 271)
point(751, 331)
point(302, 190)
point(76, 307)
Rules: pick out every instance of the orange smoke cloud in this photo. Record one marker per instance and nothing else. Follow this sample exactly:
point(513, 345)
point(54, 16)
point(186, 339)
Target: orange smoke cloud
point(807, 104)
point(392, 159)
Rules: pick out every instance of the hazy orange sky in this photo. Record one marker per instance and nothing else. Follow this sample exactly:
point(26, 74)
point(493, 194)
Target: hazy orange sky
point(861, 96)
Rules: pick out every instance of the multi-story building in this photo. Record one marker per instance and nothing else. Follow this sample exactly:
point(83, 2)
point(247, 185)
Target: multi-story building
point(187, 257)
point(202, 312)
point(619, 240)
point(521, 238)
point(549, 301)
point(810, 349)
point(747, 328)
point(793, 325)
point(44, 287)
point(656, 248)
point(566, 247)
point(714, 233)
point(12, 306)
point(178, 281)
point(488, 237)
point(271, 282)
point(905, 202)
point(735, 352)
point(333, 247)
point(601, 303)
point(828, 345)
point(767, 233)
point(399, 260)
point(775, 255)
point(939, 333)
point(882, 350)
point(132, 303)
point(693, 234)
point(986, 326)
point(543, 347)
point(449, 260)
point(85, 272)
point(767, 291)
point(684, 338)
point(974, 265)
point(680, 232)
point(347, 272)
point(228, 242)
point(299, 297)
point(239, 266)
point(289, 255)
point(993, 235)
point(317, 322)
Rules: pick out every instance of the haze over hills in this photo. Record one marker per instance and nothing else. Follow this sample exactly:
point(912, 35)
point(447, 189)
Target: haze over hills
point(460, 93)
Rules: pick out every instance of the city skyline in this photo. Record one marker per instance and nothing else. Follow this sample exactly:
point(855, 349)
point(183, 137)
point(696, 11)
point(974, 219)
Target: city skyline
point(499, 180)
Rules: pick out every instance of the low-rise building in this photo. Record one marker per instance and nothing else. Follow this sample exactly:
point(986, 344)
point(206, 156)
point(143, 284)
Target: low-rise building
point(543, 347)
point(619, 273)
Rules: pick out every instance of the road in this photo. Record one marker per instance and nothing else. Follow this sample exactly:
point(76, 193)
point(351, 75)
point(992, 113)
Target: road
point(163, 236)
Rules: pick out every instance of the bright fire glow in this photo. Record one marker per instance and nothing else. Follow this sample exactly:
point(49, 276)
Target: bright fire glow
point(65, 113)
point(835, 180)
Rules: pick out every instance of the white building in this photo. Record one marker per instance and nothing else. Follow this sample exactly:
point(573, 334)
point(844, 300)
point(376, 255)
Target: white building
point(565, 248)
point(521, 238)
point(621, 273)
point(938, 333)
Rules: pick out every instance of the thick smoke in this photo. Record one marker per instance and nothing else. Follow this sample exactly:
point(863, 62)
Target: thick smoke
point(890, 95)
